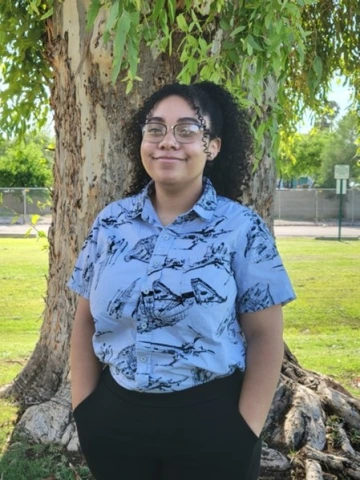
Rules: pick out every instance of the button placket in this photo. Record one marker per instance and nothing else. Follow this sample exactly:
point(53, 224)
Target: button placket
point(160, 253)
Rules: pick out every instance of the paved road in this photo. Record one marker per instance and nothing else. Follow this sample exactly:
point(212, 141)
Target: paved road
point(281, 230)
point(317, 231)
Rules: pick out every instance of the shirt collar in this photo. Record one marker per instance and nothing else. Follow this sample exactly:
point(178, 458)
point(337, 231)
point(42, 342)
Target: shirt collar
point(204, 207)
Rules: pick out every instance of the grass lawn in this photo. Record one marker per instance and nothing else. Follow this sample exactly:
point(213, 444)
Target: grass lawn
point(23, 266)
point(321, 326)
point(23, 269)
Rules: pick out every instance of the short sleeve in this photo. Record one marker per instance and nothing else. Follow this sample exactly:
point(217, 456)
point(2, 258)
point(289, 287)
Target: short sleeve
point(83, 273)
point(261, 278)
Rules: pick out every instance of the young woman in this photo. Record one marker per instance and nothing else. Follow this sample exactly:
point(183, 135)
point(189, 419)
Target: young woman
point(177, 341)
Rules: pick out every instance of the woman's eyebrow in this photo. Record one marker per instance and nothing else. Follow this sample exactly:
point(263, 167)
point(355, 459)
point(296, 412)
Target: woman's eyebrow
point(179, 120)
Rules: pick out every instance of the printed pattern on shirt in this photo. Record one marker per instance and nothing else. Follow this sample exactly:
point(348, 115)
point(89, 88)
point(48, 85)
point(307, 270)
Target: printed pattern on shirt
point(166, 300)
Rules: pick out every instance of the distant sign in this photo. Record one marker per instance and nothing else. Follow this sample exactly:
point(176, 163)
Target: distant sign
point(342, 172)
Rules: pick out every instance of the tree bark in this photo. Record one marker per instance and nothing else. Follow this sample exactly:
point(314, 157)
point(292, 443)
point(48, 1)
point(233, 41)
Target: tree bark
point(90, 171)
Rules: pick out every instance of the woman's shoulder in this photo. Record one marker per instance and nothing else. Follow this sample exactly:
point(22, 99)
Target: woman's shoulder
point(233, 209)
point(124, 207)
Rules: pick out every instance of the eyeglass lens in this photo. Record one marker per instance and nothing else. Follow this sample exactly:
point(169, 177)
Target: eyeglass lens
point(183, 132)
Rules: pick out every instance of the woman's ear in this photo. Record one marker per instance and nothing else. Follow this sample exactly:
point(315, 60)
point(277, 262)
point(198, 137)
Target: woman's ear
point(214, 148)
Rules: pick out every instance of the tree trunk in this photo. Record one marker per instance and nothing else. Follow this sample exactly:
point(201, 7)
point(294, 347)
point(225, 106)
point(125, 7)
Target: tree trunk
point(90, 171)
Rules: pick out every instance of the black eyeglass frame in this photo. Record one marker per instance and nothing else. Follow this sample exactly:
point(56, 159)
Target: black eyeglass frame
point(173, 128)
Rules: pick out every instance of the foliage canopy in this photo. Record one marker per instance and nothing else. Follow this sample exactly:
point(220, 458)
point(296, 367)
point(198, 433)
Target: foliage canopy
point(291, 48)
point(316, 153)
point(26, 162)
point(340, 149)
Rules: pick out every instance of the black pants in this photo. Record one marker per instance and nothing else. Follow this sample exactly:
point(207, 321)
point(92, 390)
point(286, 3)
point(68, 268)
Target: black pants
point(194, 434)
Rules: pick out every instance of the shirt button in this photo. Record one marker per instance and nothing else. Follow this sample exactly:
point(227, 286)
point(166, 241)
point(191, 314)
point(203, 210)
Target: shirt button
point(143, 359)
point(146, 291)
point(166, 237)
point(143, 325)
point(156, 263)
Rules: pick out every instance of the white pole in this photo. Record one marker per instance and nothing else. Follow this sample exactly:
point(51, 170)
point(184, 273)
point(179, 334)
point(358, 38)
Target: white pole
point(353, 207)
point(24, 197)
point(279, 193)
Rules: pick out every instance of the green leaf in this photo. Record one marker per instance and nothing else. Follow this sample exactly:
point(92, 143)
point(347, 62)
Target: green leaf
point(113, 16)
point(41, 234)
point(203, 45)
point(192, 41)
point(318, 67)
point(195, 20)
point(268, 20)
point(158, 7)
point(193, 66)
point(276, 63)
point(34, 7)
point(129, 86)
point(237, 30)
point(251, 41)
point(215, 77)
point(180, 20)
point(48, 14)
point(163, 18)
point(137, 4)
point(249, 49)
point(172, 10)
point(205, 72)
point(132, 58)
point(224, 24)
point(184, 56)
point(122, 29)
point(92, 13)
point(34, 219)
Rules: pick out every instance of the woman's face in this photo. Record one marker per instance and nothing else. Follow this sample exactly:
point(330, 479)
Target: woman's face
point(169, 162)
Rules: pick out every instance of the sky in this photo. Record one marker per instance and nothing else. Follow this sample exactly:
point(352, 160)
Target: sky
point(340, 94)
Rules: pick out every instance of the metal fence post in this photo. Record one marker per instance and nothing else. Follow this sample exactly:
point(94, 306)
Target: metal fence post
point(279, 193)
point(24, 210)
point(353, 207)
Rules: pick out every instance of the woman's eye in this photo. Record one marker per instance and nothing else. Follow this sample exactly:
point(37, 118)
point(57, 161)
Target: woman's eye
point(154, 130)
point(187, 130)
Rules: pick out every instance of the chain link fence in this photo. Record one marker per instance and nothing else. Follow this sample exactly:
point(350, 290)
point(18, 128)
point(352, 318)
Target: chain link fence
point(19, 204)
point(296, 205)
point(316, 205)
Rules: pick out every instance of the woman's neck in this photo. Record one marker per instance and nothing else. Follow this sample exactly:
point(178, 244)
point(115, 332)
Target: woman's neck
point(169, 204)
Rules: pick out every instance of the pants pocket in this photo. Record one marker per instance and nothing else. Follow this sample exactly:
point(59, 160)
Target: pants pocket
point(84, 403)
point(248, 429)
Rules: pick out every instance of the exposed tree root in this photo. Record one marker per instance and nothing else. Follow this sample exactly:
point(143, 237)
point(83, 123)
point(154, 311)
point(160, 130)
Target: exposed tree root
point(313, 470)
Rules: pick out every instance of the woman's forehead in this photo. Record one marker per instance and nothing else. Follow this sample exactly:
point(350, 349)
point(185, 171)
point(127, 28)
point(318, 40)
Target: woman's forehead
point(175, 107)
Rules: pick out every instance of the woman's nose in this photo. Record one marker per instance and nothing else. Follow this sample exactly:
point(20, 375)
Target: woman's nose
point(169, 140)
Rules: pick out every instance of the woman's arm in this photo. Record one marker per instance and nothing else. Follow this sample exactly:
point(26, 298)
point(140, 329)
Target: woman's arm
point(84, 365)
point(265, 350)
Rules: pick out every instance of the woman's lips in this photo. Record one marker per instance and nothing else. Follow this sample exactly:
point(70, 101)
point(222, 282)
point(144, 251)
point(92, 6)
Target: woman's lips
point(170, 159)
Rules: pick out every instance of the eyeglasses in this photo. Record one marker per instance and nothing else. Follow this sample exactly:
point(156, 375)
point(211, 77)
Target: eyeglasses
point(183, 132)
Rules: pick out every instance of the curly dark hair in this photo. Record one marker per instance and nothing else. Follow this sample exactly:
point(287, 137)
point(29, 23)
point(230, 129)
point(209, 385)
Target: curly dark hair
point(227, 122)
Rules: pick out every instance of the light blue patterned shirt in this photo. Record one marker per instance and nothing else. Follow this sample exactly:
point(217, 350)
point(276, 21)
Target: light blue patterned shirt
point(166, 300)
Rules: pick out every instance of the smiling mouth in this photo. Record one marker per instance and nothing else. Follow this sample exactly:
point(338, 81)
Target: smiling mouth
point(168, 158)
